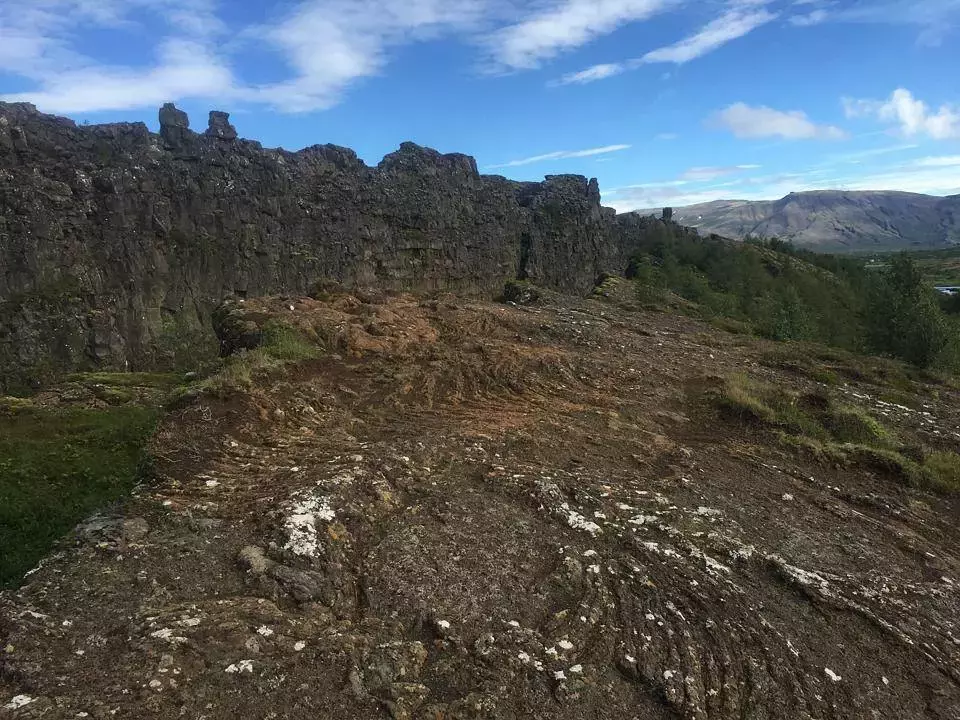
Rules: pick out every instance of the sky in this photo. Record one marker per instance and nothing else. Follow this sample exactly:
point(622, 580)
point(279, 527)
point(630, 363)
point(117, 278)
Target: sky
point(666, 102)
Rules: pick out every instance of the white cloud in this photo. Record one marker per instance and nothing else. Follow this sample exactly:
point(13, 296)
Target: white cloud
point(936, 162)
point(327, 44)
point(184, 70)
point(592, 74)
point(740, 18)
point(330, 44)
point(561, 155)
point(712, 173)
point(934, 18)
point(912, 116)
point(564, 25)
point(749, 122)
point(733, 24)
point(813, 18)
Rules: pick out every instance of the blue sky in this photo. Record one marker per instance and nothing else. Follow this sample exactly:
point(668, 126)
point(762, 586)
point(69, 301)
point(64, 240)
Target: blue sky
point(665, 101)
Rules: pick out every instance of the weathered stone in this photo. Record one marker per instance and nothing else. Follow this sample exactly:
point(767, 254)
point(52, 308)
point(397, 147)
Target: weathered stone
point(236, 328)
point(220, 127)
point(114, 239)
point(174, 123)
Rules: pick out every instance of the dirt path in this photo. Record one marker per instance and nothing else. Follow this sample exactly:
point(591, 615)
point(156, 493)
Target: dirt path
point(467, 510)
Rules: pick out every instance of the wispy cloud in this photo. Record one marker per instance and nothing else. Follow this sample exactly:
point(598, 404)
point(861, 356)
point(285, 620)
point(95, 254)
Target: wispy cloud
point(712, 173)
point(592, 74)
point(327, 46)
point(937, 162)
point(561, 155)
point(859, 156)
point(330, 44)
point(748, 122)
point(912, 117)
point(564, 25)
point(935, 19)
point(740, 18)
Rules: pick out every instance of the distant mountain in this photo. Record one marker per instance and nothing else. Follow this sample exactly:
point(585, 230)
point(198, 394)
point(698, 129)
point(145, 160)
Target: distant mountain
point(833, 220)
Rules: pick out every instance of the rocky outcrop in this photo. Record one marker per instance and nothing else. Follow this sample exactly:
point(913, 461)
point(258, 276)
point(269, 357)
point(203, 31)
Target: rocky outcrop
point(117, 243)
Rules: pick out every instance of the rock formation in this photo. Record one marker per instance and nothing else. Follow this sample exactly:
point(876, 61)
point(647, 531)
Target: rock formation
point(114, 241)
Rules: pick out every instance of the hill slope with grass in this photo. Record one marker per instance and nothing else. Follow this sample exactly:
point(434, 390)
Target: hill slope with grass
point(398, 506)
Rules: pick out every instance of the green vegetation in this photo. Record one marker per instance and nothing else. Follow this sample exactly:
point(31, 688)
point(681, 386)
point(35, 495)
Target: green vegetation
point(787, 294)
point(281, 345)
point(835, 433)
point(59, 465)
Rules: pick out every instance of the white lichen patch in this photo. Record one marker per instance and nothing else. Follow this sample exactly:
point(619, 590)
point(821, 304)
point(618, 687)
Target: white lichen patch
point(300, 525)
point(565, 645)
point(577, 669)
point(800, 576)
point(299, 645)
point(19, 701)
point(832, 675)
point(264, 631)
point(244, 666)
point(443, 624)
point(579, 522)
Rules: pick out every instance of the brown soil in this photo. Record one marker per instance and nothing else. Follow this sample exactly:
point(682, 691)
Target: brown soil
point(468, 510)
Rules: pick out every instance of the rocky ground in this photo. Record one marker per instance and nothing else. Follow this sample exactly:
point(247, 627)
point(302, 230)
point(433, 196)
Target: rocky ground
point(469, 510)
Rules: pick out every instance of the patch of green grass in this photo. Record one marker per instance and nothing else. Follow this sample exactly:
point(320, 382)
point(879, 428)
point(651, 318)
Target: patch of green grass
point(742, 399)
point(282, 345)
point(853, 425)
point(59, 466)
point(944, 471)
point(825, 376)
point(839, 435)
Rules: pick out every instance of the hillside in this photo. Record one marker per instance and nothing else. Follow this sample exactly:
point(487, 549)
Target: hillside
point(835, 221)
point(450, 508)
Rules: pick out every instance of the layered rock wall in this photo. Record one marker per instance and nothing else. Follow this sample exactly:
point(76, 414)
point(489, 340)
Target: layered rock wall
point(115, 241)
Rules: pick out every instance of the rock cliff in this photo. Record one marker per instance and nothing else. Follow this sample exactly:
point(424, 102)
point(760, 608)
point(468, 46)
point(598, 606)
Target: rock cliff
point(116, 243)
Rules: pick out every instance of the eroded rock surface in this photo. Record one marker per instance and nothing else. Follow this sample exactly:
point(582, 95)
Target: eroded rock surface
point(464, 510)
point(117, 243)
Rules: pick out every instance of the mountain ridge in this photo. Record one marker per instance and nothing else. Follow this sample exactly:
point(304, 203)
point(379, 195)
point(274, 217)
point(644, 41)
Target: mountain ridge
point(835, 220)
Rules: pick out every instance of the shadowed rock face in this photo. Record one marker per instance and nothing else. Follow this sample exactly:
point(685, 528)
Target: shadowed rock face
point(110, 235)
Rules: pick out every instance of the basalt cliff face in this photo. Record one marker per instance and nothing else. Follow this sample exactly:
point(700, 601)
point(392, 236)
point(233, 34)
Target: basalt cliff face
point(115, 241)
